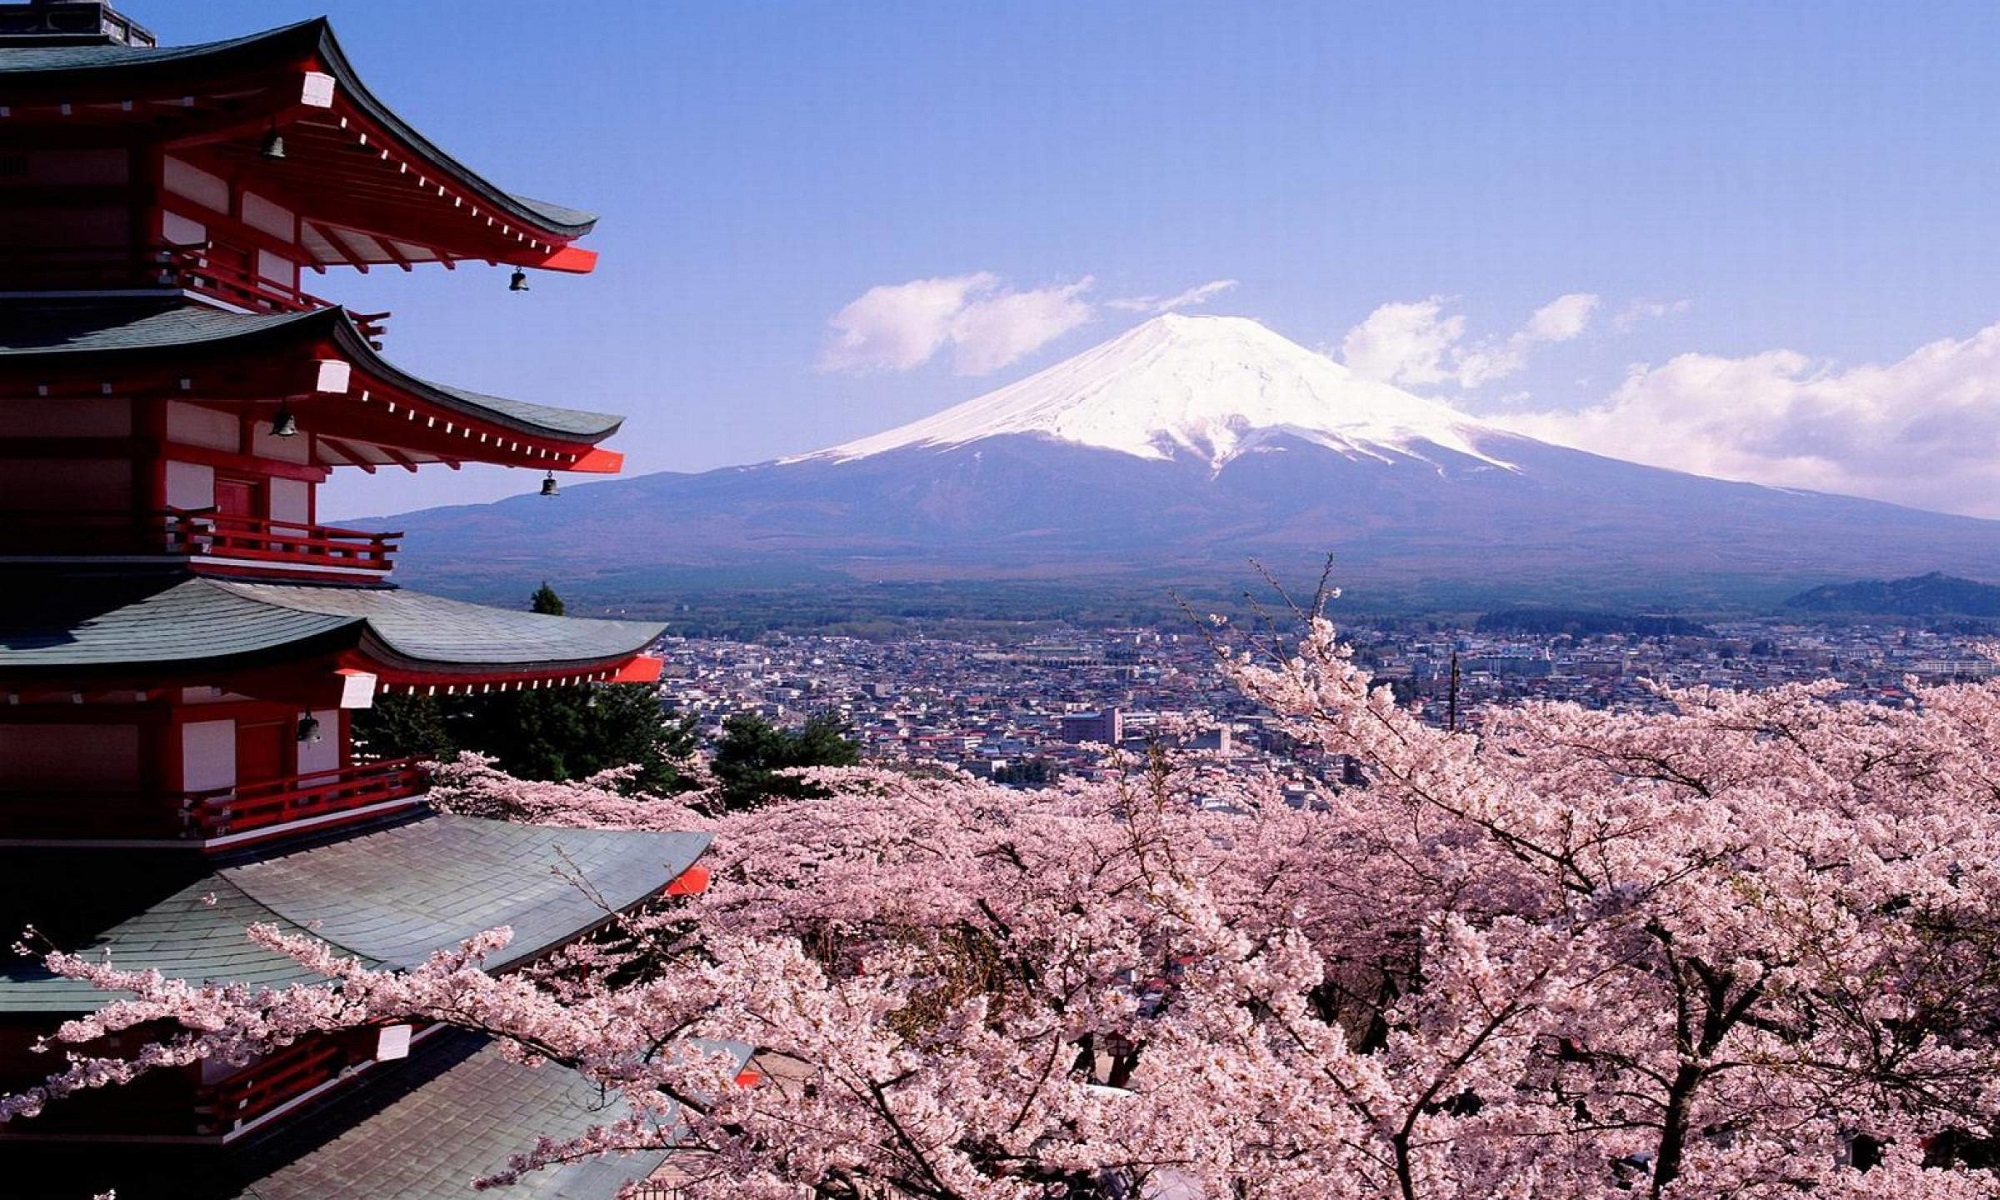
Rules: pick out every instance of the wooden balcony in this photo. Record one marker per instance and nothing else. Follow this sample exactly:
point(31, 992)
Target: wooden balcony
point(201, 268)
point(211, 534)
point(275, 1080)
point(203, 536)
point(231, 816)
point(246, 808)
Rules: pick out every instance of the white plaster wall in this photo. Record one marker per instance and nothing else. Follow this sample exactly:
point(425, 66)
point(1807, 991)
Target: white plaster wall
point(209, 191)
point(271, 217)
point(193, 425)
point(323, 755)
point(208, 755)
point(190, 485)
point(276, 267)
point(292, 449)
point(69, 757)
point(181, 231)
point(291, 500)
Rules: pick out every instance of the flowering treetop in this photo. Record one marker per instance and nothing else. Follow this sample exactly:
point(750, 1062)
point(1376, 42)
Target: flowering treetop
point(1745, 947)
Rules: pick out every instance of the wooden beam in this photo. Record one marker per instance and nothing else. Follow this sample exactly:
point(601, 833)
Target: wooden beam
point(354, 457)
point(400, 459)
point(276, 468)
point(333, 239)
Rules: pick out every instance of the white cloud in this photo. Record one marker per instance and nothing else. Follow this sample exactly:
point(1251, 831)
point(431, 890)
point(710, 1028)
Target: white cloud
point(897, 327)
point(1923, 431)
point(1414, 343)
point(1562, 319)
point(1199, 294)
point(1640, 311)
point(1404, 342)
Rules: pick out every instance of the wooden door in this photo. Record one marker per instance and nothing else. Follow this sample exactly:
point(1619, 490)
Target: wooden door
point(264, 751)
point(235, 497)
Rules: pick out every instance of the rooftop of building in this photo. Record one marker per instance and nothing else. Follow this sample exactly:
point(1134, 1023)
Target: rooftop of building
point(31, 65)
point(67, 621)
point(389, 896)
point(45, 333)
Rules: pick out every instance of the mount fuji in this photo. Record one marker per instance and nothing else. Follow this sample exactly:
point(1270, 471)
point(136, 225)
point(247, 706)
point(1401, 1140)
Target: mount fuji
point(1170, 455)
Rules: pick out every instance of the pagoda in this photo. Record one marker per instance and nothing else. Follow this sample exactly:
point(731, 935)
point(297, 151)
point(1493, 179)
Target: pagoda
point(183, 644)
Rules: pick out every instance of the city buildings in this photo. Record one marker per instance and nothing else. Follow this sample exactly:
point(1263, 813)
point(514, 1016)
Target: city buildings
point(182, 645)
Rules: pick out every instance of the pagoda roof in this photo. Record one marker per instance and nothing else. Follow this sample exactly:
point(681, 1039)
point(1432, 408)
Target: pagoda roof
point(120, 72)
point(389, 897)
point(472, 1110)
point(65, 624)
point(64, 334)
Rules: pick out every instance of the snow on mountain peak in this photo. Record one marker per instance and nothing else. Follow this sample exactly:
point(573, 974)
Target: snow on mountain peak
point(1203, 387)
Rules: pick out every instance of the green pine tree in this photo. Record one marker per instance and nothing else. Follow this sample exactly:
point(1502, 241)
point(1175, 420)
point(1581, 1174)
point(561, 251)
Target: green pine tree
point(546, 733)
point(752, 751)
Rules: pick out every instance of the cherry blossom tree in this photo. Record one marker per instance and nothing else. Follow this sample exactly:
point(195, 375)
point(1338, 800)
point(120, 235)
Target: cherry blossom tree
point(1743, 947)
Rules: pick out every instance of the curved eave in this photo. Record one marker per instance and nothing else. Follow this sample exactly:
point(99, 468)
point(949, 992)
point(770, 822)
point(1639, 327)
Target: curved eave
point(116, 72)
point(97, 338)
point(413, 638)
point(535, 420)
point(553, 220)
point(88, 627)
point(84, 626)
point(433, 883)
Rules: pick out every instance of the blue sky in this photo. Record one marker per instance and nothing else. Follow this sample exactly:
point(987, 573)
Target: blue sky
point(1773, 206)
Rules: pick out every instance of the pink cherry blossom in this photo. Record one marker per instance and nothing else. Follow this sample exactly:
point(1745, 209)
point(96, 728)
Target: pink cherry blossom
point(1741, 947)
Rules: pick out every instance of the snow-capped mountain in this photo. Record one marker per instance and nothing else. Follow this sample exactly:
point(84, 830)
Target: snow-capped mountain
point(1202, 388)
point(1167, 457)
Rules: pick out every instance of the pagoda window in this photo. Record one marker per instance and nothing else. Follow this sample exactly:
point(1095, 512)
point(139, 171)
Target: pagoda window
point(73, 485)
point(78, 200)
point(95, 758)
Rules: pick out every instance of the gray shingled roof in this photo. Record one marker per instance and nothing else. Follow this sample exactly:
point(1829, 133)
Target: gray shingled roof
point(41, 329)
point(51, 624)
point(50, 327)
point(28, 66)
point(389, 896)
point(463, 1109)
point(90, 622)
point(432, 629)
point(462, 1123)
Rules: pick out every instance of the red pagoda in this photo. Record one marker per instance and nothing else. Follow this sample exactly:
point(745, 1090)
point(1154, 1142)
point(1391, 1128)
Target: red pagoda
point(182, 644)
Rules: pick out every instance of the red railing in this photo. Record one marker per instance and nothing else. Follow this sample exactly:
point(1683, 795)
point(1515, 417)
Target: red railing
point(196, 533)
point(205, 532)
point(198, 267)
point(252, 806)
point(270, 1082)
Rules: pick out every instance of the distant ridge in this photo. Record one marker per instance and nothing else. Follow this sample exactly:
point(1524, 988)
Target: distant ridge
point(1550, 622)
point(1169, 456)
point(1932, 595)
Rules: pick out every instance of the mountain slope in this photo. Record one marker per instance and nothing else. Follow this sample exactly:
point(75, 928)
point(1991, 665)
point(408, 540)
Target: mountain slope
point(1171, 454)
point(1933, 595)
point(1177, 387)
